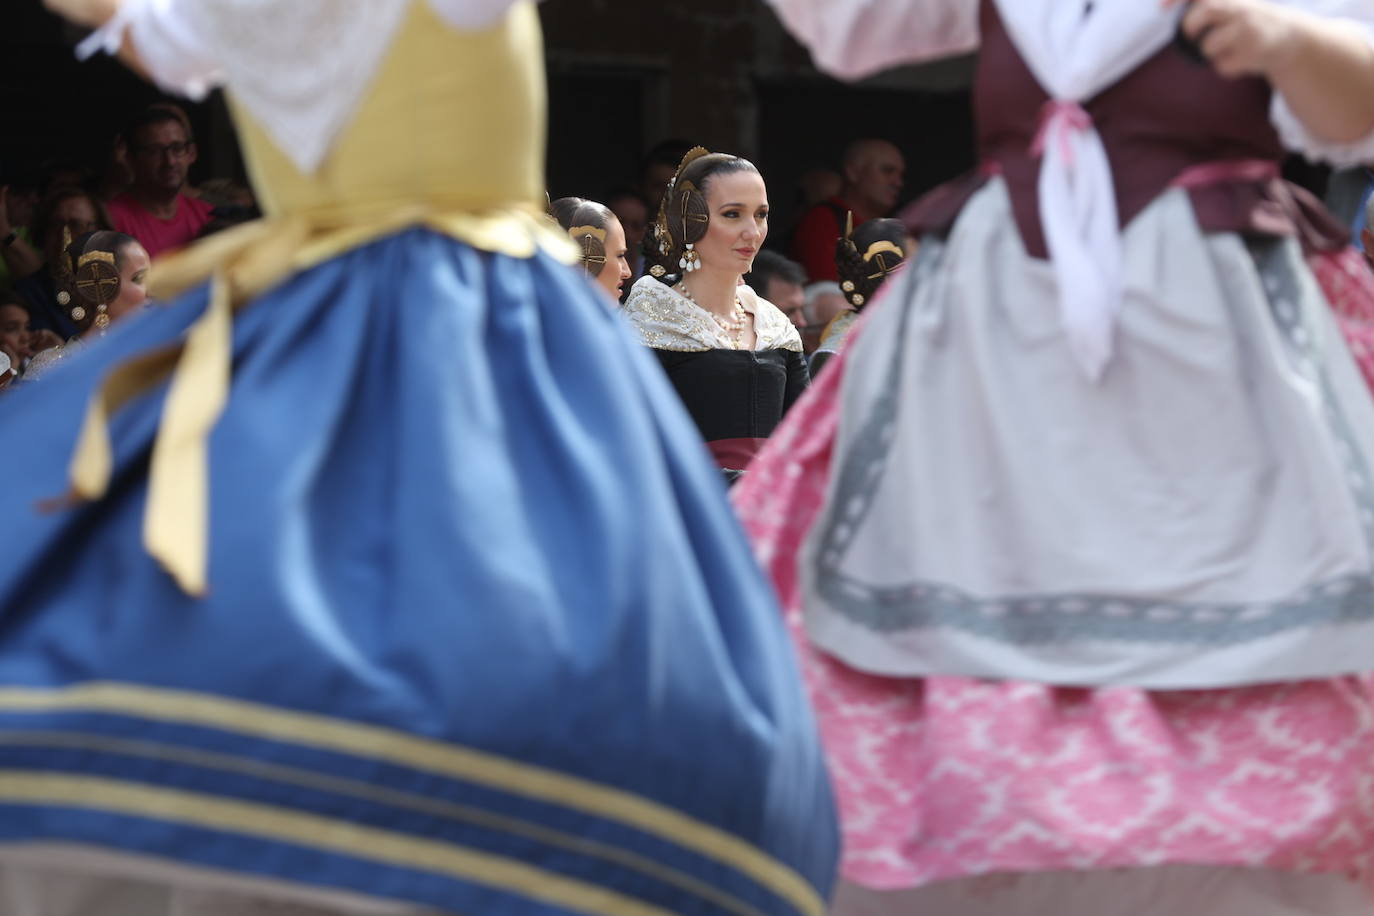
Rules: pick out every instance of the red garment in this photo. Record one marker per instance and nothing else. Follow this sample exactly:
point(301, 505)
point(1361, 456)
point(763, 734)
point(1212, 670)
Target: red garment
point(1148, 129)
point(813, 244)
point(160, 235)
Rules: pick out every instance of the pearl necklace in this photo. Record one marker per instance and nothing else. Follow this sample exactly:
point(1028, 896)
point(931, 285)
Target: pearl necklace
point(732, 326)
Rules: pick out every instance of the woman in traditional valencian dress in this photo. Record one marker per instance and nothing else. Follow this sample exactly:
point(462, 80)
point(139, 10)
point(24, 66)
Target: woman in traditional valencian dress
point(1076, 537)
point(866, 259)
point(600, 240)
point(392, 578)
point(733, 357)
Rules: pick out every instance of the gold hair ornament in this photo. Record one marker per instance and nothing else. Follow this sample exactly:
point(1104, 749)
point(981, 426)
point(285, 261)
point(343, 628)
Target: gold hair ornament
point(592, 241)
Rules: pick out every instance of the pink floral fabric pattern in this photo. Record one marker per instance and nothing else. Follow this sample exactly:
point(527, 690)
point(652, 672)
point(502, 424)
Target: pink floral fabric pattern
point(950, 777)
point(1348, 283)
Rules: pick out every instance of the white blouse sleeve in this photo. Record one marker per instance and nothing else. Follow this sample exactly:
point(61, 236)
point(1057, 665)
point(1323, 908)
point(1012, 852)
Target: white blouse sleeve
point(1295, 136)
point(471, 15)
point(180, 56)
point(300, 66)
point(167, 42)
point(853, 38)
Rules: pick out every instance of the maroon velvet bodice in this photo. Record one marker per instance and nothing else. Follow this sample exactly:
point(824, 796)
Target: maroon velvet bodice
point(1166, 116)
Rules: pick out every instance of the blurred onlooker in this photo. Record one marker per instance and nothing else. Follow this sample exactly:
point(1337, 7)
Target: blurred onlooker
point(865, 258)
point(107, 280)
point(233, 204)
point(824, 302)
point(65, 171)
point(873, 172)
point(781, 282)
point(14, 333)
point(76, 212)
point(21, 200)
point(156, 209)
point(18, 257)
point(631, 209)
point(658, 168)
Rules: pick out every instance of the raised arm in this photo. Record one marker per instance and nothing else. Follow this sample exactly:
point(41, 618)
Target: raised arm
point(1317, 54)
point(300, 67)
point(853, 38)
point(154, 37)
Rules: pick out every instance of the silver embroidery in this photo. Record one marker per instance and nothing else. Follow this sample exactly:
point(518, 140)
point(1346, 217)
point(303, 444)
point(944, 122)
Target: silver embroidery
point(667, 320)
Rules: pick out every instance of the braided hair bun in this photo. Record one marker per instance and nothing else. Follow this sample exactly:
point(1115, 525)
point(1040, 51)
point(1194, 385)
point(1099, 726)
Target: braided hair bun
point(867, 256)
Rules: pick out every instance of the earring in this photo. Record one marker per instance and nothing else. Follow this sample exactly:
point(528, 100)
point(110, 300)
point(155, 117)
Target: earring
point(78, 313)
point(690, 260)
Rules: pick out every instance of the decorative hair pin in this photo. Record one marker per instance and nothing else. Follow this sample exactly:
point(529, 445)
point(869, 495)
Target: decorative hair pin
point(97, 282)
point(592, 241)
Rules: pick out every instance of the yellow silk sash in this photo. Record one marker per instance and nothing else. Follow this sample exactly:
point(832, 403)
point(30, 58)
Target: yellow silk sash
point(240, 265)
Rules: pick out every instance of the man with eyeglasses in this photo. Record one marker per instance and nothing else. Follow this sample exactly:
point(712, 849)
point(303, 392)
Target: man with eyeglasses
point(156, 209)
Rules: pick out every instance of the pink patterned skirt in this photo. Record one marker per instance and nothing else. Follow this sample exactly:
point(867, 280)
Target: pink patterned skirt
point(950, 777)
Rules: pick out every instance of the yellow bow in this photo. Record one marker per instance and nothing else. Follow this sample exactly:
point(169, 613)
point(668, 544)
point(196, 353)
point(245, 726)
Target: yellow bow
point(241, 264)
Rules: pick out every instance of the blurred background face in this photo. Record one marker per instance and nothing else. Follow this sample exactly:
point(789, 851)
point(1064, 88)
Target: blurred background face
point(878, 176)
point(655, 182)
point(824, 307)
point(617, 267)
point(790, 299)
point(161, 156)
point(133, 281)
point(634, 219)
point(14, 332)
point(76, 214)
point(19, 205)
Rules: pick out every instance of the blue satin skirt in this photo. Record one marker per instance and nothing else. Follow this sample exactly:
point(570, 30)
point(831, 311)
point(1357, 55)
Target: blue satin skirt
point(482, 633)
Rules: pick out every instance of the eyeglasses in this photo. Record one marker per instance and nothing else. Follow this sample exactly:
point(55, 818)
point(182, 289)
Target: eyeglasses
point(158, 150)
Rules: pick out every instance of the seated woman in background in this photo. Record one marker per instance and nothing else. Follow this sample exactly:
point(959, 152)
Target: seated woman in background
point(735, 359)
point(105, 277)
point(601, 239)
point(71, 210)
point(865, 258)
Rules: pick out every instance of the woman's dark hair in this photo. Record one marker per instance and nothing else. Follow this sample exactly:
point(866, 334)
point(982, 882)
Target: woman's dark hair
point(586, 221)
point(865, 257)
point(152, 115)
point(43, 213)
point(96, 281)
point(683, 216)
point(116, 243)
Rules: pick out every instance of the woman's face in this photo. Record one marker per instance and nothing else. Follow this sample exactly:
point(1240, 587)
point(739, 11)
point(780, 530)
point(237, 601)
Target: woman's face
point(14, 333)
point(738, 204)
point(617, 268)
point(133, 281)
point(75, 213)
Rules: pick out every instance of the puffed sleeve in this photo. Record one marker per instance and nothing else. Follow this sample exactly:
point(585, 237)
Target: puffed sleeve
point(1360, 16)
point(853, 38)
point(472, 14)
point(169, 44)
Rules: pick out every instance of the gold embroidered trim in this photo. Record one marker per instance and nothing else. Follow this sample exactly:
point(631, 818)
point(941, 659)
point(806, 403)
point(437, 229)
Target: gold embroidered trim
point(375, 742)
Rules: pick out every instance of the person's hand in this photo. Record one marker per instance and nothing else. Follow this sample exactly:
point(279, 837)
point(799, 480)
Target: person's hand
point(42, 340)
point(84, 12)
point(15, 359)
point(1239, 37)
